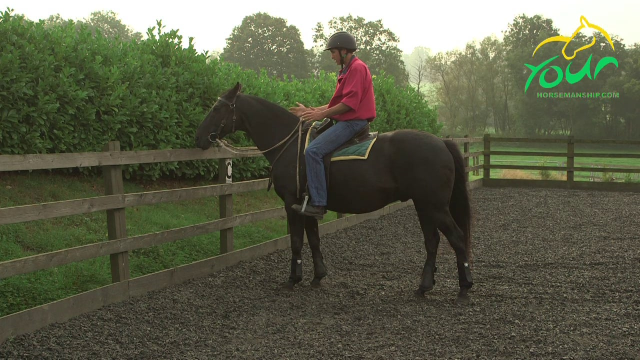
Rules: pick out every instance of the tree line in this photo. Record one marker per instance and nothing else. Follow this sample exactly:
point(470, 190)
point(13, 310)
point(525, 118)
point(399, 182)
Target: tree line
point(501, 86)
point(263, 41)
point(491, 85)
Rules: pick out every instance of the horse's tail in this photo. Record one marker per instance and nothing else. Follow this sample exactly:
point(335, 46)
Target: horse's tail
point(459, 205)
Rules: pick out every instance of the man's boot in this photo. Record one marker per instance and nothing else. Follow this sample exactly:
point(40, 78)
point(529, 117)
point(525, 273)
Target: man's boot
point(310, 210)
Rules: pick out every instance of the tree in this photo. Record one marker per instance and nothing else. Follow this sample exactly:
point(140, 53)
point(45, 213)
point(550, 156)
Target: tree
point(417, 66)
point(588, 117)
point(377, 46)
point(627, 83)
point(495, 84)
point(442, 72)
point(468, 67)
point(55, 20)
point(520, 40)
point(109, 25)
point(106, 22)
point(264, 42)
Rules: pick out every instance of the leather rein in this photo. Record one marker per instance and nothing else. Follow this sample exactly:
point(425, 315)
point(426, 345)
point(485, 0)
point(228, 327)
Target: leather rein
point(288, 140)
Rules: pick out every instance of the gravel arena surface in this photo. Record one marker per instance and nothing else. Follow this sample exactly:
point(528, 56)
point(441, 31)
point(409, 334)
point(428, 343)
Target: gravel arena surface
point(556, 277)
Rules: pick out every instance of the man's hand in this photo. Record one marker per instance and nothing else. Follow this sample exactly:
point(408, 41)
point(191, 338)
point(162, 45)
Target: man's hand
point(313, 115)
point(298, 110)
point(316, 114)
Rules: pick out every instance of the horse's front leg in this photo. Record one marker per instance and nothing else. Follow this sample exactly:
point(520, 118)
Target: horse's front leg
point(319, 270)
point(296, 229)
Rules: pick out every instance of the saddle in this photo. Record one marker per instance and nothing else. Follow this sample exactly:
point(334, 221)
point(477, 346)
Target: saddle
point(364, 138)
point(357, 147)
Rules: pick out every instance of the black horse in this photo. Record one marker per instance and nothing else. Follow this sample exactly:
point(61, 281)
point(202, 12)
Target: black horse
point(402, 165)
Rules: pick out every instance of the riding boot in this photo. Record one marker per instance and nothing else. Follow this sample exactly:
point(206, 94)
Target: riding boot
point(310, 210)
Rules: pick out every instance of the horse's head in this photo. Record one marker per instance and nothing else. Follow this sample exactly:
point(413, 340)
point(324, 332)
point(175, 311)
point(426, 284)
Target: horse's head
point(220, 121)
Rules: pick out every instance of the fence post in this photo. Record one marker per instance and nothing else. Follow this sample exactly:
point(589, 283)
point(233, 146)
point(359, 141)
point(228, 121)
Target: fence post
point(486, 172)
point(570, 159)
point(466, 155)
point(476, 162)
point(116, 218)
point(225, 172)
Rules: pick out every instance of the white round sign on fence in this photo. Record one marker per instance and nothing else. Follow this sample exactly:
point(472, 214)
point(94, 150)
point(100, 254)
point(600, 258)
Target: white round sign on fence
point(229, 171)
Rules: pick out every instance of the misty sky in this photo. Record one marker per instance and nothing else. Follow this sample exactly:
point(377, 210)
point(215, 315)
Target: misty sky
point(439, 25)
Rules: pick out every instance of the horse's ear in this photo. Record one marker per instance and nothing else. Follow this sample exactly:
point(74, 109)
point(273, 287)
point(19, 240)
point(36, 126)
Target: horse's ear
point(237, 88)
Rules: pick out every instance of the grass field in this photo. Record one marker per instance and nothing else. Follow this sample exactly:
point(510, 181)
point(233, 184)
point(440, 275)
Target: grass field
point(561, 161)
point(36, 237)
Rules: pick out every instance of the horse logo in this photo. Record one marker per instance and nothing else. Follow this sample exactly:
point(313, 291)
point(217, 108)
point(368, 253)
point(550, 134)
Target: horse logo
point(584, 23)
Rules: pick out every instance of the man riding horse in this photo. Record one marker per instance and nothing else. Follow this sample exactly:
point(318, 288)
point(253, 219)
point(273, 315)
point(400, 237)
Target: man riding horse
point(404, 164)
point(352, 107)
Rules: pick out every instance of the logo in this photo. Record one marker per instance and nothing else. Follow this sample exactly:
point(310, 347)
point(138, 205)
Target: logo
point(571, 78)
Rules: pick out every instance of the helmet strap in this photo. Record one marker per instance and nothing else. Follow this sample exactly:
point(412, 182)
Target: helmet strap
point(342, 57)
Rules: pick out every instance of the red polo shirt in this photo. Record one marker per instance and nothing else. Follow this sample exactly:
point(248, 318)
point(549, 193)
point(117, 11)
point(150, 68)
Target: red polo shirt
point(355, 89)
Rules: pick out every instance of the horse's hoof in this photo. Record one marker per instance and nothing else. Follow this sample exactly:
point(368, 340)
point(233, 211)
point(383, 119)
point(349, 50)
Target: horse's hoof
point(463, 298)
point(289, 285)
point(315, 283)
point(422, 291)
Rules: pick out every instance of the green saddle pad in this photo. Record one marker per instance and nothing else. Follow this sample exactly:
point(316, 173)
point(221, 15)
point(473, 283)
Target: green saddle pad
point(348, 151)
point(356, 151)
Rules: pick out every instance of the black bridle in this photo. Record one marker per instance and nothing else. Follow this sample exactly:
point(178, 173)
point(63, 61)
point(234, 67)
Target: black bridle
point(286, 141)
point(232, 105)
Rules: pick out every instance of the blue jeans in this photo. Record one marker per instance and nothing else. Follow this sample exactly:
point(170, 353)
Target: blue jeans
point(321, 146)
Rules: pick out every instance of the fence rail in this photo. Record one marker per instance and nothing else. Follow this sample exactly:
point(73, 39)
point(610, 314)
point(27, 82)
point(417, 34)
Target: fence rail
point(115, 201)
point(570, 167)
point(88, 159)
point(119, 244)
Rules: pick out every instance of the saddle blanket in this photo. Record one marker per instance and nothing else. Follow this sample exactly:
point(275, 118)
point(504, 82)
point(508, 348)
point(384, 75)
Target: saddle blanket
point(351, 150)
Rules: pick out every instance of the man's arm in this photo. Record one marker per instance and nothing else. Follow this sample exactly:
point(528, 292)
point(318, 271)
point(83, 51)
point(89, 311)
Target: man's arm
point(336, 110)
point(301, 109)
point(316, 115)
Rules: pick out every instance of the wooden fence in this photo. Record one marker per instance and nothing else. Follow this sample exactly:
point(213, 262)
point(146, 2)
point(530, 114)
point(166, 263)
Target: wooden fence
point(115, 200)
point(570, 169)
point(119, 244)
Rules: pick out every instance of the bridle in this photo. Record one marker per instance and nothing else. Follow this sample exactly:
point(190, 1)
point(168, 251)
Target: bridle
point(232, 105)
point(288, 139)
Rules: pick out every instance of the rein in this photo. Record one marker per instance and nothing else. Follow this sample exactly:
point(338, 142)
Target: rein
point(251, 151)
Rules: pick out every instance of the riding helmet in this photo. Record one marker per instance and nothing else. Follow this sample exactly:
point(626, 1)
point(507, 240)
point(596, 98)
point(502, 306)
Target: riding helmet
point(342, 39)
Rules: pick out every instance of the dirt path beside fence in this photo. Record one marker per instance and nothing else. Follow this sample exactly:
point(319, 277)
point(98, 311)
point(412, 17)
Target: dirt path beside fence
point(556, 276)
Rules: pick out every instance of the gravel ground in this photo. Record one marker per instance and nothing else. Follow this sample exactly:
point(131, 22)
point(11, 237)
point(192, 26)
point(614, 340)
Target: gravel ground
point(556, 277)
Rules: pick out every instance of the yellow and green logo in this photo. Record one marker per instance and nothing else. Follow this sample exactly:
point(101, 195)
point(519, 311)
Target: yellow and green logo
point(571, 78)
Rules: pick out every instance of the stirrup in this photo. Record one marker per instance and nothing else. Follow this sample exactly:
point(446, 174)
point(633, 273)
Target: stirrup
point(304, 203)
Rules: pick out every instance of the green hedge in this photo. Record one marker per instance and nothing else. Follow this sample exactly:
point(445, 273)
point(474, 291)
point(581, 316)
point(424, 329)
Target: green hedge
point(64, 90)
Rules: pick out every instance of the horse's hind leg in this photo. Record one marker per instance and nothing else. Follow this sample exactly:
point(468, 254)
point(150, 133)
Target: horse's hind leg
point(319, 270)
point(450, 229)
point(296, 229)
point(431, 242)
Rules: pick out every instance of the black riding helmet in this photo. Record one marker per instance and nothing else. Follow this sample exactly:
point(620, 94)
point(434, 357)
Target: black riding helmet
point(342, 39)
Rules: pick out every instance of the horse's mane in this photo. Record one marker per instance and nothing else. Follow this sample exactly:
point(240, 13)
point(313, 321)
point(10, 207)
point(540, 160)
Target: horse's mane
point(277, 109)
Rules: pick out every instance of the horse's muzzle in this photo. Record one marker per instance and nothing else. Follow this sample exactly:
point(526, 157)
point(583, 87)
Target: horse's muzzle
point(213, 137)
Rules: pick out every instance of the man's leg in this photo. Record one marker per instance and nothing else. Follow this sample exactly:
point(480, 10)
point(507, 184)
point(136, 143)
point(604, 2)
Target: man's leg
point(324, 144)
